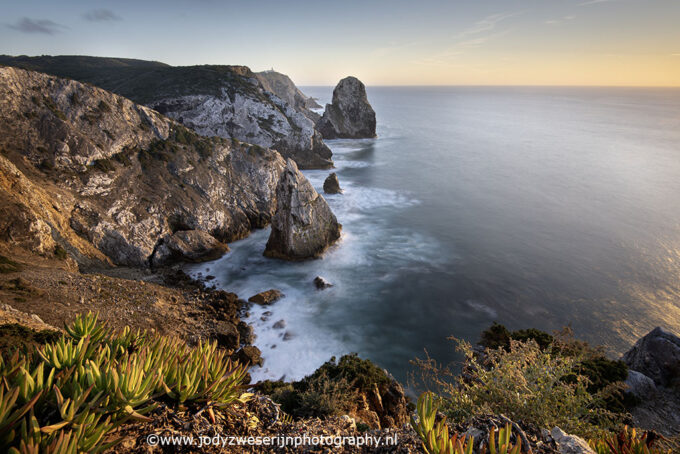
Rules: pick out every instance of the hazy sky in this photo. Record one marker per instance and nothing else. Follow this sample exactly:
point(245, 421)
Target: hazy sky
point(383, 42)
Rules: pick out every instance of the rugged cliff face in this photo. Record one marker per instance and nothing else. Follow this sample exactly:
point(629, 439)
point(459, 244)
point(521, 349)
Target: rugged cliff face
point(225, 101)
point(283, 87)
point(106, 179)
point(304, 225)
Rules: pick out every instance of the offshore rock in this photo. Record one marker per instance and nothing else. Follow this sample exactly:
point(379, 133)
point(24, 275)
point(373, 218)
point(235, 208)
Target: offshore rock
point(331, 184)
point(321, 283)
point(188, 246)
point(266, 298)
point(349, 116)
point(303, 226)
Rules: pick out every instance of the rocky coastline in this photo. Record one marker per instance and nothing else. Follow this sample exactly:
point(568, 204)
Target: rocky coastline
point(106, 198)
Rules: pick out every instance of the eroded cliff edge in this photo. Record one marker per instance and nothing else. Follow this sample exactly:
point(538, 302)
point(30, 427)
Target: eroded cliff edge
point(107, 179)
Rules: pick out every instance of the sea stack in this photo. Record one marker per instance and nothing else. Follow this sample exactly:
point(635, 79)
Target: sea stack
point(349, 116)
point(303, 226)
point(331, 184)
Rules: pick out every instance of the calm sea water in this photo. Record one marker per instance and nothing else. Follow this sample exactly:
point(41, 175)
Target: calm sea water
point(534, 207)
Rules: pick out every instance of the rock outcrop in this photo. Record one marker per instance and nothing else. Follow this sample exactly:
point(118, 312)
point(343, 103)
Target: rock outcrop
point(656, 355)
point(654, 378)
point(109, 180)
point(303, 226)
point(321, 283)
point(331, 184)
point(267, 297)
point(349, 116)
point(224, 101)
point(570, 444)
point(283, 87)
point(188, 246)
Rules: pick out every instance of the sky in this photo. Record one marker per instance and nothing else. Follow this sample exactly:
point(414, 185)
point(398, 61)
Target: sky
point(382, 42)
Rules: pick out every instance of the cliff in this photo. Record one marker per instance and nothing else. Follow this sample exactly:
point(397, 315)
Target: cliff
point(213, 100)
point(283, 87)
point(107, 180)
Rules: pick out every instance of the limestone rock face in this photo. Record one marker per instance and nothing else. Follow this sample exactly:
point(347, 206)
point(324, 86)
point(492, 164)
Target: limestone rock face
point(640, 385)
point(188, 246)
point(349, 116)
point(213, 100)
point(570, 444)
point(108, 180)
point(303, 226)
point(331, 184)
point(284, 88)
point(656, 355)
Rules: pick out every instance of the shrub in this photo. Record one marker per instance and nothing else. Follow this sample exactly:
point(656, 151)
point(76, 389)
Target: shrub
point(70, 393)
point(331, 390)
point(524, 382)
point(8, 265)
point(60, 252)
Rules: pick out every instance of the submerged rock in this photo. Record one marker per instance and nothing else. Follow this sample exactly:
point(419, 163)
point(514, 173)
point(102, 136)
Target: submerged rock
point(188, 246)
point(656, 355)
point(266, 298)
point(321, 283)
point(303, 225)
point(331, 185)
point(349, 116)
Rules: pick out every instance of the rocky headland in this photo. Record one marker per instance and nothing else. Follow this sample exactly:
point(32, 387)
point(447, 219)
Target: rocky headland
point(224, 101)
point(349, 115)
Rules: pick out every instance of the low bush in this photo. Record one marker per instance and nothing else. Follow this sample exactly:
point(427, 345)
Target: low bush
point(8, 265)
point(524, 382)
point(331, 390)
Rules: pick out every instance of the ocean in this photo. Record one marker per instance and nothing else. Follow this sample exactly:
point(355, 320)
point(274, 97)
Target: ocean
point(534, 207)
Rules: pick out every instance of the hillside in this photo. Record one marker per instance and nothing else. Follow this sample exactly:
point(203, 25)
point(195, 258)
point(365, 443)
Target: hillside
point(225, 101)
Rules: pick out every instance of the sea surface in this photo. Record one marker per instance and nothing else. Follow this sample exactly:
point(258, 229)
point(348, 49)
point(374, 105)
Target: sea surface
point(533, 207)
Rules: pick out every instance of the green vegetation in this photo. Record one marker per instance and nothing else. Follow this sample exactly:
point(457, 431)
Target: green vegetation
point(14, 336)
point(8, 265)
point(60, 252)
point(69, 394)
point(436, 440)
point(330, 390)
point(547, 385)
point(628, 441)
point(53, 108)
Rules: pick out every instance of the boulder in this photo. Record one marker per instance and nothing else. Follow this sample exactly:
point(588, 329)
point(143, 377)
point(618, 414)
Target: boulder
point(640, 385)
point(246, 332)
point(570, 444)
point(227, 335)
point(321, 283)
point(656, 355)
point(188, 246)
point(303, 225)
point(349, 115)
point(266, 298)
point(331, 185)
point(248, 355)
point(279, 325)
